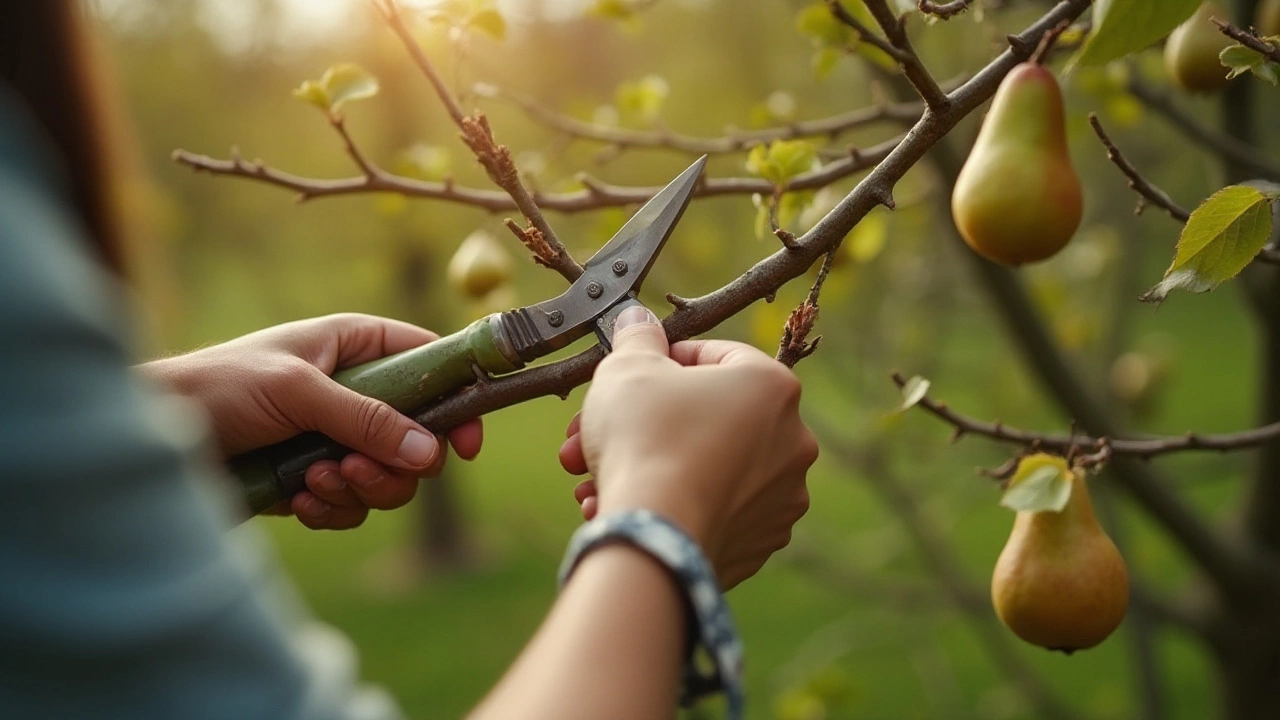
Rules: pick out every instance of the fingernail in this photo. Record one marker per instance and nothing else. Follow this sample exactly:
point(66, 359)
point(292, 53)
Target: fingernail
point(634, 315)
point(315, 508)
point(417, 448)
point(330, 481)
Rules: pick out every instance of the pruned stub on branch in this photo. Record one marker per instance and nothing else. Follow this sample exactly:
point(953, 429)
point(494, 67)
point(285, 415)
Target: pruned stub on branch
point(795, 346)
point(532, 238)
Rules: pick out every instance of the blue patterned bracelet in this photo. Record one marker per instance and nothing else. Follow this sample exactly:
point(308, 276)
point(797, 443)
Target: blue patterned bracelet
point(668, 544)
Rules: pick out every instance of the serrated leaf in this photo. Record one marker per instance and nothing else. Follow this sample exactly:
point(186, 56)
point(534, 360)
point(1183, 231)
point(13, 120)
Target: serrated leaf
point(1046, 488)
point(346, 82)
point(1221, 237)
point(1121, 27)
point(489, 21)
point(913, 392)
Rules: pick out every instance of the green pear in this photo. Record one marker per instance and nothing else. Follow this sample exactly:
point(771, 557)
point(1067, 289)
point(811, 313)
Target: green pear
point(1017, 198)
point(1060, 582)
point(479, 266)
point(1191, 52)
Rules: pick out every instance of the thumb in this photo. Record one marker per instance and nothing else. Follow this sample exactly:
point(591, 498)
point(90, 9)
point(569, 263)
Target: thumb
point(638, 330)
point(373, 428)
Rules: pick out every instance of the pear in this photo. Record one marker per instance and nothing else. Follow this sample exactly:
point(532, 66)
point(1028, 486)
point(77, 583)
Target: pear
point(1017, 198)
point(1191, 52)
point(1060, 583)
point(1267, 19)
point(479, 266)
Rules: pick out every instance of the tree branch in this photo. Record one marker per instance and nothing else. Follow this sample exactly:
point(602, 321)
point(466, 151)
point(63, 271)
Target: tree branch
point(1139, 447)
point(732, 141)
point(1225, 147)
point(594, 196)
point(1137, 183)
point(943, 10)
point(495, 158)
point(895, 28)
point(1249, 40)
point(1150, 192)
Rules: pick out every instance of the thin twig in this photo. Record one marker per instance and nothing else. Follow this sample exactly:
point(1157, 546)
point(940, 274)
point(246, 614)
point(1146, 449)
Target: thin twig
point(494, 157)
point(895, 28)
point(865, 34)
point(1248, 39)
point(943, 10)
point(1155, 195)
point(594, 195)
point(1139, 184)
point(1139, 447)
point(732, 141)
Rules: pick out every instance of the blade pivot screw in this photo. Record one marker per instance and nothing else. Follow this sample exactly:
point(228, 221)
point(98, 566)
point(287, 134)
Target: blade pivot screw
point(619, 267)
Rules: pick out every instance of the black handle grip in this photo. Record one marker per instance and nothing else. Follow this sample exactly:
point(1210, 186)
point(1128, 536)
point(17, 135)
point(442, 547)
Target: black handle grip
point(278, 472)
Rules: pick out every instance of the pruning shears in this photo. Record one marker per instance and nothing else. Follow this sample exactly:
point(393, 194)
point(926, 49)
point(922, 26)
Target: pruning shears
point(497, 344)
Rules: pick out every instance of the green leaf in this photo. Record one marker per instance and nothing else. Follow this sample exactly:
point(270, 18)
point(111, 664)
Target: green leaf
point(913, 392)
point(1044, 487)
point(424, 162)
point(782, 160)
point(612, 10)
point(1121, 27)
point(1220, 239)
point(816, 22)
point(339, 85)
point(825, 60)
point(1242, 59)
point(489, 21)
point(643, 99)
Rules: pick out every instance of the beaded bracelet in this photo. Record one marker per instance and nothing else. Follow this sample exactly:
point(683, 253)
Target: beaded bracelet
point(668, 544)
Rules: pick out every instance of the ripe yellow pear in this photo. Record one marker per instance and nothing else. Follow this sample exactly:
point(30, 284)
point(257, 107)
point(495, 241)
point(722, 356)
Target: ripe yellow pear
point(1267, 19)
point(1017, 198)
point(1060, 583)
point(1191, 52)
point(479, 266)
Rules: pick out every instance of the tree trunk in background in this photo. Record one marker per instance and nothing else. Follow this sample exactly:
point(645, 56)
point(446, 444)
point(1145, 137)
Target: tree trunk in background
point(441, 541)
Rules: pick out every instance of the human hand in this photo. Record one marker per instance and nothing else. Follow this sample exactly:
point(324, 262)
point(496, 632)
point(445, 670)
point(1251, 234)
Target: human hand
point(706, 433)
point(273, 384)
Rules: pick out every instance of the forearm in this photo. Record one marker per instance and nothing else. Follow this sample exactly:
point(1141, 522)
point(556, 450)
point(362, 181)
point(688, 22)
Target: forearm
point(611, 647)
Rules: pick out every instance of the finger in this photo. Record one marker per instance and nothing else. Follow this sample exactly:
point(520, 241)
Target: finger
point(572, 458)
point(377, 486)
point(361, 338)
point(590, 507)
point(324, 480)
point(368, 426)
point(319, 515)
point(637, 330)
point(467, 438)
point(584, 490)
point(715, 352)
point(575, 425)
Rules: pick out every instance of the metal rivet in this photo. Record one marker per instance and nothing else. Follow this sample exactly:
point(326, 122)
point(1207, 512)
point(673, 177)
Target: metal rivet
point(555, 318)
point(594, 289)
point(619, 267)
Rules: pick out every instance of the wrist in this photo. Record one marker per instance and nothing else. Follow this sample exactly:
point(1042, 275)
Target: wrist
point(665, 494)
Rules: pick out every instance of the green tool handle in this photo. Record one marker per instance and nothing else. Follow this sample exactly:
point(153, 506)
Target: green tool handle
point(407, 381)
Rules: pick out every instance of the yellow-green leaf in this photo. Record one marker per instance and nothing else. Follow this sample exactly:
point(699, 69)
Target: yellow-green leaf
point(782, 160)
point(643, 99)
point(612, 9)
point(1242, 59)
point(313, 92)
point(1222, 236)
point(490, 21)
point(1121, 27)
point(340, 84)
point(1038, 486)
point(816, 22)
point(424, 162)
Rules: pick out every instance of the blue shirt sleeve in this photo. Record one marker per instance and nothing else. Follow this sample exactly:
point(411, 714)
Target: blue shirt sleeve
point(120, 596)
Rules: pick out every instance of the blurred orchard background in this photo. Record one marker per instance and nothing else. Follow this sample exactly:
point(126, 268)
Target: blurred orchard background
point(880, 608)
